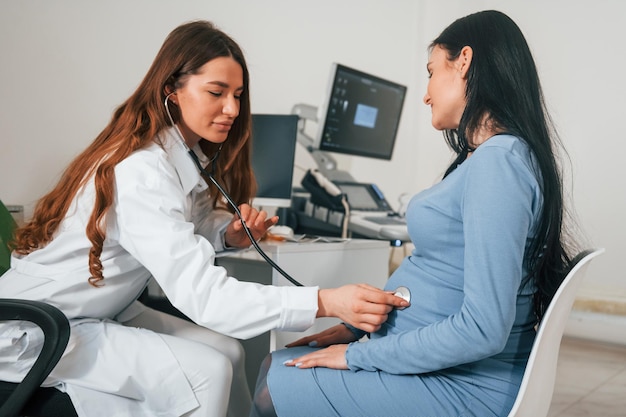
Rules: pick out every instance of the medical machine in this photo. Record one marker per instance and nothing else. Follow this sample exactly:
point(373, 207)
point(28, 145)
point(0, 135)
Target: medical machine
point(359, 116)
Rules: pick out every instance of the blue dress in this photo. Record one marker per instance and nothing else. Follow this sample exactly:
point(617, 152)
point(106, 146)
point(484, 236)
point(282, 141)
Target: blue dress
point(460, 349)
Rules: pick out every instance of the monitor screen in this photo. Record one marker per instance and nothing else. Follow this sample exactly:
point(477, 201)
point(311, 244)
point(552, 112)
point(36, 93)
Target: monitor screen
point(273, 153)
point(360, 114)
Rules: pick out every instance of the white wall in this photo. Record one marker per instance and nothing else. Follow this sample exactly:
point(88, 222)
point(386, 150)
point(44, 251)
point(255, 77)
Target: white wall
point(578, 49)
point(67, 64)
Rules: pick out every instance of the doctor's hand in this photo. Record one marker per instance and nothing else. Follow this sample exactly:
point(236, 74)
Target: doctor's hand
point(332, 357)
point(361, 305)
point(331, 336)
point(257, 221)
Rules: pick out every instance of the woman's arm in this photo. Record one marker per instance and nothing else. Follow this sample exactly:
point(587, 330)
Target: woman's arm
point(151, 212)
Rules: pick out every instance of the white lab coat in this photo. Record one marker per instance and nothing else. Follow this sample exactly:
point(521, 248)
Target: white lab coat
point(161, 225)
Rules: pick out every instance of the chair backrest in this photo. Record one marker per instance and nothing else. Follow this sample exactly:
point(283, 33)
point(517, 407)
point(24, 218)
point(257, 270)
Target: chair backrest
point(535, 393)
point(56, 329)
point(7, 227)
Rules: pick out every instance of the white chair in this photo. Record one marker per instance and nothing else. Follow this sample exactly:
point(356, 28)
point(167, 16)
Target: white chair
point(535, 393)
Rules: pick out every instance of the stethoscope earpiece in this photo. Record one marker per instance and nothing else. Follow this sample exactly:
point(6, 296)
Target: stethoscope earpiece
point(168, 98)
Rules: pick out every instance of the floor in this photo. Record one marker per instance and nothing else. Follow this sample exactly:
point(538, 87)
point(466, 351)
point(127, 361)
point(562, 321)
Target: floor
point(591, 380)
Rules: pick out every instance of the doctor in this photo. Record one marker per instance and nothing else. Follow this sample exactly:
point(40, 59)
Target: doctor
point(133, 206)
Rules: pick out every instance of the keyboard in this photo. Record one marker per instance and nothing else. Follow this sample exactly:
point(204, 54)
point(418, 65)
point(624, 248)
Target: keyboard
point(386, 220)
point(379, 226)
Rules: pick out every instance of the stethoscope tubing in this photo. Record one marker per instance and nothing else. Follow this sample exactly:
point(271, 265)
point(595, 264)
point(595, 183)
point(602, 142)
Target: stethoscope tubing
point(208, 174)
point(258, 248)
point(402, 292)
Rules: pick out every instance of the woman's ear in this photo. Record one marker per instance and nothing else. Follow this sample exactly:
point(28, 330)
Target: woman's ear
point(170, 93)
point(169, 88)
point(465, 60)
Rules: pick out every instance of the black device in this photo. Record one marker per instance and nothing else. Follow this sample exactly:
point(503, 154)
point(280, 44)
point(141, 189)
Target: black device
point(274, 138)
point(360, 114)
point(320, 194)
point(360, 196)
point(364, 196)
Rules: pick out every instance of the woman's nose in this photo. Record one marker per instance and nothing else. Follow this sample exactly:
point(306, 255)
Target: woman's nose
point(231, 107)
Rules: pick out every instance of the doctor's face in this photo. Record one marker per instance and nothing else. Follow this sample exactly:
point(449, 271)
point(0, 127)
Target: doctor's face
point(446, 90)
point(209, 101)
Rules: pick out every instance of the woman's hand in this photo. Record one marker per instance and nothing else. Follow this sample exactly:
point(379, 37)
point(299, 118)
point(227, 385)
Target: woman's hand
point(331, 336)
point(361, 305)
point(332, 357)
point(257, 221)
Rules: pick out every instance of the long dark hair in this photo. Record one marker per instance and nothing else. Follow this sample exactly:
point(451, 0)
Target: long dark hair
point(134, 125)
point(503, 87)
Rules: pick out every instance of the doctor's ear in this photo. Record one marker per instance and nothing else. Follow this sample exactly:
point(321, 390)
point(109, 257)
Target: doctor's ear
point(172, 97)
point(170, 93)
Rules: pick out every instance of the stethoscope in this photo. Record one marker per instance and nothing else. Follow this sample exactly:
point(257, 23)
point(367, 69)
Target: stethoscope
point(402, 292)
point(213, 162)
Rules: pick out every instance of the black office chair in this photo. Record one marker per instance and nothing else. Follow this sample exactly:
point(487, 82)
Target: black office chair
point(27, 397)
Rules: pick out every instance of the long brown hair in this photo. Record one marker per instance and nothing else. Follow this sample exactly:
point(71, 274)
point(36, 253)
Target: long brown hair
point(134, 126)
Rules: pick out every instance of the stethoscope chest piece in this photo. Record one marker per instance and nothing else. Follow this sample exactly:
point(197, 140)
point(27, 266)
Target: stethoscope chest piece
point(404, 293)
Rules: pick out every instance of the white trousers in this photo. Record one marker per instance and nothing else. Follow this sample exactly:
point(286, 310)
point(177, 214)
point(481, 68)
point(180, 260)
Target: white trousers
point(209, 360)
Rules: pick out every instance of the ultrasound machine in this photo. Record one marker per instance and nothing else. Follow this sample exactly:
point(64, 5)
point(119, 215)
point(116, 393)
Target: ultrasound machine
point(359, 116)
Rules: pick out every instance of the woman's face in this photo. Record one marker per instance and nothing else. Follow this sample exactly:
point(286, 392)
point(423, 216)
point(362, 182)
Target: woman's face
point(209, 101)
point(446, 89)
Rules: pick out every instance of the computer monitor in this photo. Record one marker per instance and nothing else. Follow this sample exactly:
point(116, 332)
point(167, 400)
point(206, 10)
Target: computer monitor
point(273, 155)
point(360, 114)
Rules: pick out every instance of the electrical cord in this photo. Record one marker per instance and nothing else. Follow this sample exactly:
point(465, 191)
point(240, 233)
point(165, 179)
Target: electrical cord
point(346, 217)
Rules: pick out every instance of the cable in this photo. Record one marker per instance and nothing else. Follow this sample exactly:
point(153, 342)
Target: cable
point(346, 217)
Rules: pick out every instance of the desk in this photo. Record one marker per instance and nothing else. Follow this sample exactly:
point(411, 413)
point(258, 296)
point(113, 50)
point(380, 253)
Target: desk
point(323, 264)
point(326, 265)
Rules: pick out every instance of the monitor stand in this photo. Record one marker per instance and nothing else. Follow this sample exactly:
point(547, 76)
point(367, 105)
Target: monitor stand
point(326, 164)
point(338, 175)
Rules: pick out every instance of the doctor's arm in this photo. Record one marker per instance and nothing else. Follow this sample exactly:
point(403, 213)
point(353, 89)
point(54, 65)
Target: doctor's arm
point(361, 305)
